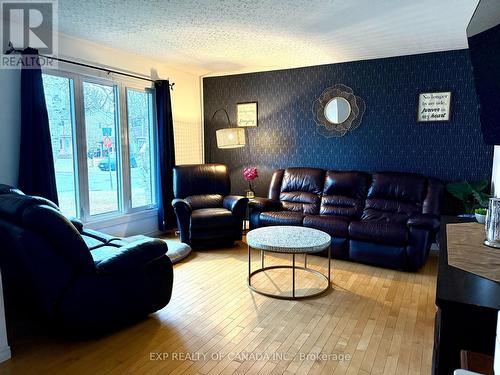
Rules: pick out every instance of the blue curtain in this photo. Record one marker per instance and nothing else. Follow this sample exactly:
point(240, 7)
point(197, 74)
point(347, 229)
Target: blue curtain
point(166, 155)
point(36, 164)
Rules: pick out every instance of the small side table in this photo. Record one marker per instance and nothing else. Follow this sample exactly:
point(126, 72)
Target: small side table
point(246, 220)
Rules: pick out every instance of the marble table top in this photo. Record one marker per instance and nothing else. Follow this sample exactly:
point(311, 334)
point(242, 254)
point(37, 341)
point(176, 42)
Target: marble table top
point(288, 239)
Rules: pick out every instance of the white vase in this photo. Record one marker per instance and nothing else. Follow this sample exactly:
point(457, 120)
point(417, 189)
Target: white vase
point(481, 219)
point(493, 223)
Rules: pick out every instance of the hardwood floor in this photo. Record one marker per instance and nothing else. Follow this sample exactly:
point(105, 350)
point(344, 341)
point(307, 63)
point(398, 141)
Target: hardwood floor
point(373, 321)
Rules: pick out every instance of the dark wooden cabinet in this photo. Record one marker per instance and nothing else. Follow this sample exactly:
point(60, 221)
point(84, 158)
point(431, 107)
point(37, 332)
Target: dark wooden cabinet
point(467, 311)
point(483, 35)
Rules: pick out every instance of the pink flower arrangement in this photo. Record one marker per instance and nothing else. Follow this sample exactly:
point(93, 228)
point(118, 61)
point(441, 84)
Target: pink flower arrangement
point(250, 173)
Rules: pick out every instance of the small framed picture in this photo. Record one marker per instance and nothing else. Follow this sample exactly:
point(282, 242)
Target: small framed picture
point(434, 106)
point(247, 114)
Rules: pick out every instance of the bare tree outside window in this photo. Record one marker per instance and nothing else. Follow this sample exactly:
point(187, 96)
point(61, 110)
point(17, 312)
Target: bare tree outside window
point(139, 108)
point(60, 108)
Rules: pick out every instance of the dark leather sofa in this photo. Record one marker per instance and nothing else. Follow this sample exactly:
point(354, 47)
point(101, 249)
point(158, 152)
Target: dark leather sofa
point(387, 219)
point(206, 214)
point(81, 281)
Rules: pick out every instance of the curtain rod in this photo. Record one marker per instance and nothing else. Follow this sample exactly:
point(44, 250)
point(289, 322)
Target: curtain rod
point(11, 50)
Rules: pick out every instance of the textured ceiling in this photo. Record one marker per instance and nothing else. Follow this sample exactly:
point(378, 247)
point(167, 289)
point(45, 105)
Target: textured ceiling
point(217, 37)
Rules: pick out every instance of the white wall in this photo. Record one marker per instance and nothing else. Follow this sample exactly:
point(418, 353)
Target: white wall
point(186, 106)
point(10, 120)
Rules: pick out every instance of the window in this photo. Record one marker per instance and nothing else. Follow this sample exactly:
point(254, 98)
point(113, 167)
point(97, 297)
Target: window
point(103, 143)
point(101, 119)
point(140, 120)
point(60, 107)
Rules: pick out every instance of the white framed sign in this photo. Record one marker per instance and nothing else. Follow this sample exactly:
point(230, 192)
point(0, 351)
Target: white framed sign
point(434, 106)
point(247, 114)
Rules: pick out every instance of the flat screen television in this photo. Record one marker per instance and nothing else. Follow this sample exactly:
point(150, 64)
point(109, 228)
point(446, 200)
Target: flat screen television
point(483, 33)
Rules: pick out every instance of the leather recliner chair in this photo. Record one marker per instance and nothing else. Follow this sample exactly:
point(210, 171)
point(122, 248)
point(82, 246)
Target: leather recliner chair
point(83, 282)
point(206, 214)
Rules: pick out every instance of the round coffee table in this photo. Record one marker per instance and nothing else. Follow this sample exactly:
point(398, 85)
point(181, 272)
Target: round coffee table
point(288, 240)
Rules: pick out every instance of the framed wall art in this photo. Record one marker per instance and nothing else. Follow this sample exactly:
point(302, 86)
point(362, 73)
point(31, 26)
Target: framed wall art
point(434, 106)
point(247, 114)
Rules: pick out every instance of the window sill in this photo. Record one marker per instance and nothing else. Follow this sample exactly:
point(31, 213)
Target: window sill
point(120, 219)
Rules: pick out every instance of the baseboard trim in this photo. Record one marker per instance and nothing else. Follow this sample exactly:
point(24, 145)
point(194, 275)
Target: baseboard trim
point(5, 354)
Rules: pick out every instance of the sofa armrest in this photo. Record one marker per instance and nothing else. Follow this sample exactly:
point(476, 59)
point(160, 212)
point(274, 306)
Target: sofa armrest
point(103, 237)
point(182, 204)
point(76, 223)
point(183, 210)
point(425, 221)
point(265, 204)
point(135, 255)
point(236, 204)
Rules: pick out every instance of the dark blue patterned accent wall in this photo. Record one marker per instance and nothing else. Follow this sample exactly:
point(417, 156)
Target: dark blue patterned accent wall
point(389, 137)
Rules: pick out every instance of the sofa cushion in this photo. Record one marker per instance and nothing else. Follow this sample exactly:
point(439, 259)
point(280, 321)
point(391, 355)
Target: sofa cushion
point(133, 256)
point(406, 187)
point(339, 205)
point(104, 252)
point(205, 201)
point(61, 234)
point(92, 243)
point(301, 189)
point(281, 218)
point(201, 179)
point(13, 206)
point(347, 184)
point(303, 179)
point(434, 197)
point(394, 197)
point(380, 232)
point(299, 201)
point(389, 210)
point(7, 189)
point(211, 218)
point(334, 226)
point(344, 193)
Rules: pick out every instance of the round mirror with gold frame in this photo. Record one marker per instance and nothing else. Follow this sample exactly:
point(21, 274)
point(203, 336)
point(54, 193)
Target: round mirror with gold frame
point(338, 111)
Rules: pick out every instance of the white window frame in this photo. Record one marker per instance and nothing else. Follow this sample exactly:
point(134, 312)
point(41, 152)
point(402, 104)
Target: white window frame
point(126, 149)
point(79, 140)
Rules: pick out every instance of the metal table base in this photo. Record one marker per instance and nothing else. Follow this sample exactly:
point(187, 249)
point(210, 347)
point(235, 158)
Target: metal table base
point(293, 267)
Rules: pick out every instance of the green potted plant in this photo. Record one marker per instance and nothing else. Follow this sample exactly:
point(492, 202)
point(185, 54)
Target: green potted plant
point(480, 214)
point(473, 197)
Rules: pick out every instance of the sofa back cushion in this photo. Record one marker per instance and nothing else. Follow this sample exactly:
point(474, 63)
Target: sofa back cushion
point(205, 201)
point(275, 185)
point(7, 189)
point(434, 198)
point(344, 193)
point(31, 270)
point(201, 179)
point(43, 217)
point(394, 197)
point(301, 189)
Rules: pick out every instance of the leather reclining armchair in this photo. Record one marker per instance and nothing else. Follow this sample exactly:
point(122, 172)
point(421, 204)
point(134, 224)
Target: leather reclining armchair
point(387, 219)
point(206, 214)
point(82, 281)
